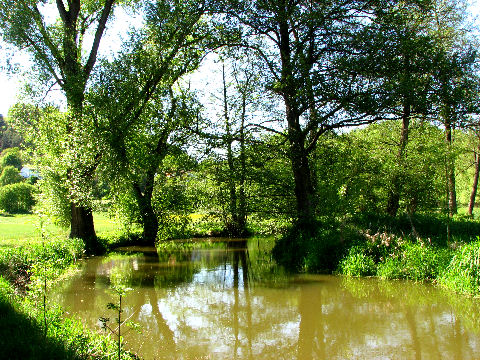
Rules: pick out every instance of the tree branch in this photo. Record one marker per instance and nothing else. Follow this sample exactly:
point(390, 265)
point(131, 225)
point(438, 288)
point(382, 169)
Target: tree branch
point(62, 11)
point(107, 9)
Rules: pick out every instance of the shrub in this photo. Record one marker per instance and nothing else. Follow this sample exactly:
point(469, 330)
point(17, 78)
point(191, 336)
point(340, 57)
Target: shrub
point(315, 249)
point(463, 273)
point(18, 264)
point(356, 263)
point(381, 245)
point(11, 157)
point(17, 198)
point(10, 175)
point(116, 238)
point(390, 269)
point(420, 262)
point(173, 227)
point(414, 261)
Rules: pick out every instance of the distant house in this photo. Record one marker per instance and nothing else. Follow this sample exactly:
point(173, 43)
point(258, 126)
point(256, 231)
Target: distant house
point(26, 172)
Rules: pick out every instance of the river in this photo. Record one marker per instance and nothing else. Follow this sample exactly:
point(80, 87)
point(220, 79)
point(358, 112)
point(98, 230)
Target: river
point(228, 300)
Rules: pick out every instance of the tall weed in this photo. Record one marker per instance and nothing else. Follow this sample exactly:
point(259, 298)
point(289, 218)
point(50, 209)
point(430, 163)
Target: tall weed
point(463, 273)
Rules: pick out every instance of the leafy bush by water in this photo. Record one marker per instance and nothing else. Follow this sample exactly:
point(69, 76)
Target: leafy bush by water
point(23, 335)
point(431, 226)
point(30, 332)
point(174, 227)
point(463, 273)
point(19, 264)
point(391, 268)
point(117, 238)
point(391, 257)
point(414, 261)
point(356, 263)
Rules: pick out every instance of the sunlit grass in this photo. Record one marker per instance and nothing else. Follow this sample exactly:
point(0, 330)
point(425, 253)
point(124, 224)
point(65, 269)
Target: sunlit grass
point(18, 230)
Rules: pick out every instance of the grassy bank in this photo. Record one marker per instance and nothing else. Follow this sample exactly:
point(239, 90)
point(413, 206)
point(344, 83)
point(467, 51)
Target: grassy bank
point(414, 248)
point(31, 331)
point(23, 334)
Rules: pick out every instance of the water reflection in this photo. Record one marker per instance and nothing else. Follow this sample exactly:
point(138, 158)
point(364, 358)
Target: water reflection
point(228, 300)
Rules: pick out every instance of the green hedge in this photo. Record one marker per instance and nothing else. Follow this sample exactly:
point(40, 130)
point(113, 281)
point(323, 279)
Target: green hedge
point(17, 198)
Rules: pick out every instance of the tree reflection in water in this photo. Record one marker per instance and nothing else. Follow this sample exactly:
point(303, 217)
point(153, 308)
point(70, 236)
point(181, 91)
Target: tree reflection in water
point(228, 300)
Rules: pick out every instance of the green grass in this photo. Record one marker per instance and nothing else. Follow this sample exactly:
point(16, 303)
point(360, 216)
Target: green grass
point(18, 230)
point(463, 273)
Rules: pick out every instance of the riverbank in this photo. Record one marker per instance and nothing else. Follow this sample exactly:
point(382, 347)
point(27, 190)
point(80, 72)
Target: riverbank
point(445, 251)
point(32, 329)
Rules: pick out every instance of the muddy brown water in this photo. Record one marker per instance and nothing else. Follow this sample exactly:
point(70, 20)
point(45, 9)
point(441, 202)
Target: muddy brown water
point(229, 301)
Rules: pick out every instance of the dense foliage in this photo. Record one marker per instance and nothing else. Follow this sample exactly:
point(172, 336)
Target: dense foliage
point(29, 330)
point(10, 175)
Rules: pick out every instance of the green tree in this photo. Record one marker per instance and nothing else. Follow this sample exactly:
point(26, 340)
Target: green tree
point(453, 83)
point(229, 135)
point(61, 57)
point(17, 198)
point(46, 131)
point(270, 179)
point(11, 157)
point(474, 147)
point(453, 90)
point(173, 198)
point(473, 194)
point(306, 51)
point(402, 58)
point(9, 138)
point(10, 175)
point(138, 110)
point(355, 169)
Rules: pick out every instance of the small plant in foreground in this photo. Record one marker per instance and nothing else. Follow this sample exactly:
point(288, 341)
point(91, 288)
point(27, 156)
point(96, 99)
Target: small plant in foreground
point(121, 291)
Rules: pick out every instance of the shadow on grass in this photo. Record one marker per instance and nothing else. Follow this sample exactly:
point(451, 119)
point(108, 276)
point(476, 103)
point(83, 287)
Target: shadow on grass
point(432, 226)
point(22, 338)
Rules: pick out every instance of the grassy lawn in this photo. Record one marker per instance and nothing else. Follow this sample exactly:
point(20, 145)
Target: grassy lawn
point(19, 229)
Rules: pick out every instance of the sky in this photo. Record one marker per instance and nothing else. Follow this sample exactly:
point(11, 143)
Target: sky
point(10, 85)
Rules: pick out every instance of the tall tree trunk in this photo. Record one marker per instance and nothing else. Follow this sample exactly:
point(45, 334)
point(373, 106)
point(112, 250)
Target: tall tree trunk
point(473, 194)
point(303, 181)
point(242, 201)
point(148, 217)
point(393, 202)
point(81, 221)
point(74, 80)
point(232, 219)
point(232, 225)
point(304, 192)
point(450, 170)
point(82, 226)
